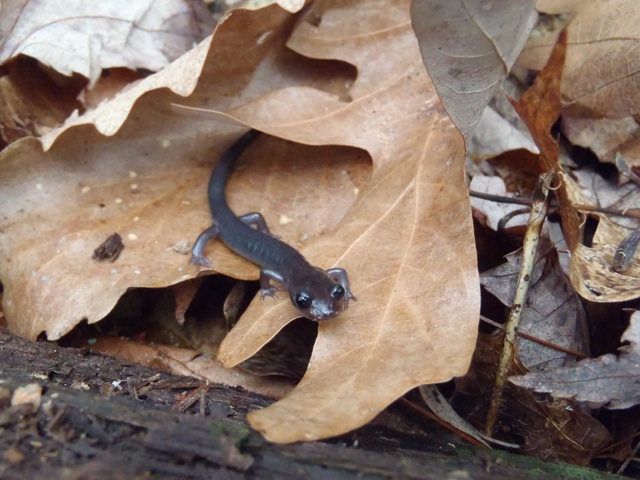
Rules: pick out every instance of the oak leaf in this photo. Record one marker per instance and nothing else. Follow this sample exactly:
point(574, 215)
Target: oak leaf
point(139, 164)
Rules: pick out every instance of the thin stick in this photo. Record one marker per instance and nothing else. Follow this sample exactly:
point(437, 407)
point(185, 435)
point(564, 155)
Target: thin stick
point(540, 341)
point(529, 248)
point(629, 213)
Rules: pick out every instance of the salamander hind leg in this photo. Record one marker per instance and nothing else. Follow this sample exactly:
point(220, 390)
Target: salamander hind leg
point(255, 219)
point(197, 252)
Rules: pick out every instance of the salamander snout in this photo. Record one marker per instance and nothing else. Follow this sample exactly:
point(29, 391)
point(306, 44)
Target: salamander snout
point(321, 298)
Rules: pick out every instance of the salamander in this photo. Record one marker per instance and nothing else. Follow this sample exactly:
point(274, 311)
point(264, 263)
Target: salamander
point(317, 294)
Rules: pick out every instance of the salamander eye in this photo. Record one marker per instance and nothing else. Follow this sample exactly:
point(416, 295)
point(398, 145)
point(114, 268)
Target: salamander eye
point(338, 292)
point(303, 300)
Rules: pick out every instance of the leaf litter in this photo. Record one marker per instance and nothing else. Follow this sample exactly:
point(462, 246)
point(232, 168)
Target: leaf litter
point(362, 169)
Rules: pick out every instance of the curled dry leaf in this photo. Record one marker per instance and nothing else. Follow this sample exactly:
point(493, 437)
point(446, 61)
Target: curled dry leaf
point(469, 48)
point(86, 37)
point(591, 271)
point(32, 103)
point(603, 65)
point(402, 230)
point(610, 381)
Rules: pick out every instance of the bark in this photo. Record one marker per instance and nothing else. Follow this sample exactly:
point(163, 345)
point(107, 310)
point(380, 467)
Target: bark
point(101, 419)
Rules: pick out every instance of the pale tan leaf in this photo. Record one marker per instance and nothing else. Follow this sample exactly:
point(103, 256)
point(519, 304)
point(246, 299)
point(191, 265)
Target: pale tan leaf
point(553, 7)
point(469, 48)
point(493, 212)
point(292, 6)
point(605, 137)
point(602, 65)
point(73, 36)
point(494, 135)
point(591, 271)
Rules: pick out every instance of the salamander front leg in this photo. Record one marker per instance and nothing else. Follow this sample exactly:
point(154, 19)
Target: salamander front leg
point(197, 252)
point(268, 290)
point(339, 275)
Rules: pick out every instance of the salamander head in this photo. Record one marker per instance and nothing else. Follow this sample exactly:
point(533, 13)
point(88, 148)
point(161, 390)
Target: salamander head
point(319, 297)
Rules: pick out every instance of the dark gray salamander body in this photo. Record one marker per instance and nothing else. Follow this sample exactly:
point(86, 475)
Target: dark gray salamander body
point(316, 293)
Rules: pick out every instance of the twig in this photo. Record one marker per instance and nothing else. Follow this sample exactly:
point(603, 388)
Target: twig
point(499, 198)
point(631, 456)
point(540, 341)
point(630, 213)
point(529, 248)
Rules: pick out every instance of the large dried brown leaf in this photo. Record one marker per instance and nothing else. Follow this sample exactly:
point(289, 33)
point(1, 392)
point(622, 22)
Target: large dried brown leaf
point(415, 290)
point(469, 48)
point(86, 37)
point(403, 230)
point(602, 68)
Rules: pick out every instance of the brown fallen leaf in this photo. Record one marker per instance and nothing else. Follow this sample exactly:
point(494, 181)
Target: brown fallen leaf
point(87, 37)
point(402, 229)
point(601, 73)
point(610, 381)
point(539, 108)
point(140, 183)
